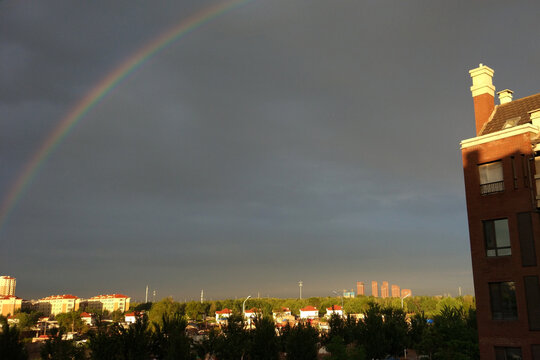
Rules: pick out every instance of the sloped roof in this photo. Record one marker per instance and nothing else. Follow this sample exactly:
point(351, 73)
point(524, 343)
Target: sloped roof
point(309, 308)
point(516, 111)
point(335, 308)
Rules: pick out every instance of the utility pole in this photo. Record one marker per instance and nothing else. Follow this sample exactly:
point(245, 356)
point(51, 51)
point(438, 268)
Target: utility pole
point(146, 297)
point(300, 284)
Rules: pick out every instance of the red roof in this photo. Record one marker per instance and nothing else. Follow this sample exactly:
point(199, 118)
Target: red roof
point(7, 277)
point(8, 297)
point(85, 314)
point(253, 310)
point(58, 297)
point(44, 336)
point(111, 296)
point(224, 311)
point(309, 308)
point(335, 307)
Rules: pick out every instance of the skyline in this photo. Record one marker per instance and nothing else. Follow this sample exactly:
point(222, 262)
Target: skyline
point(276, 142)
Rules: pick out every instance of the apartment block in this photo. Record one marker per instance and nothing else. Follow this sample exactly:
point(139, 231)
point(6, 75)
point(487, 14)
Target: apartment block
point(501, 167)
point(109, 303)
point(7, 285)
point(384, 289)
point(9, 304)
point(395, 291)
point(57, 304)
point(374, 289)
point(359, 288)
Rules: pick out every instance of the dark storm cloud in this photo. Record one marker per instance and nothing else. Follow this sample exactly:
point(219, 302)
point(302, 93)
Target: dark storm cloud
point(282, 141)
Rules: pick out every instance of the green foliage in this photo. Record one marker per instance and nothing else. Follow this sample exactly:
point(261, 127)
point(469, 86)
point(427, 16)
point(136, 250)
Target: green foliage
point(300, 342)
point(233, 343)
point(27, 320)
point(10, 345)
point(167, 308)
point(57, 349)
point(264, 341)
point(70, 321)
point(170, 339)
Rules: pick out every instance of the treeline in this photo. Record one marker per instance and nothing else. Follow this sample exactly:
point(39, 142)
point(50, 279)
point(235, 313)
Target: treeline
point(383, 332)
point(429, 305)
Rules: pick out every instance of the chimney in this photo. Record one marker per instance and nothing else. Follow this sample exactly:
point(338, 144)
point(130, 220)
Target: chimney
point(505, 96)
point(535, 117)
point(483, 93)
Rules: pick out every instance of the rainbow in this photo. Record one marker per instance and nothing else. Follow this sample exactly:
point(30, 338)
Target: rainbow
point(98, 92)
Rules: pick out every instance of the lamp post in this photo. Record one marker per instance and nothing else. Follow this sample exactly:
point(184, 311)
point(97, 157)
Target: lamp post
point(406, 296)
point(341, 296)
point(244, 306)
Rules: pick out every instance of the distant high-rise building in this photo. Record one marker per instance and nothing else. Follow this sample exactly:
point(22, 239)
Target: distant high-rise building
point(384, 289)
point(359, 288)
point(405, 292)
point(395, 291)
point(7, 285)
point(374, 289)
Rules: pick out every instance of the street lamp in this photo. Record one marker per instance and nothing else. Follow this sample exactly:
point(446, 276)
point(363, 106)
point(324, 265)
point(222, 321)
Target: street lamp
point(340, 295)
point(406, 296)
point(244, 306)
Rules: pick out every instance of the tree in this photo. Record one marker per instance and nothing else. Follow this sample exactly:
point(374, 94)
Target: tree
point(70, 321)
point(264, 342)
point(170, 339)
point(27, 320)
point(300, 342)
point(10, 345)
point(166, 307)
point(55, 348)
point(233, 343)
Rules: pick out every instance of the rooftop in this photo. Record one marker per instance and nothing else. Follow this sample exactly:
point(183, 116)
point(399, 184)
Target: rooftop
point(511, 114)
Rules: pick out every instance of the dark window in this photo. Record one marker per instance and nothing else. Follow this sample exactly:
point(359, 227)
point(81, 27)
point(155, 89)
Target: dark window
point(503, 301)
point(491, 178)
point(497, 237)
point(526, 239)
point(514, 172)
point(507, 353)
point(535, 349)
point(532, 294)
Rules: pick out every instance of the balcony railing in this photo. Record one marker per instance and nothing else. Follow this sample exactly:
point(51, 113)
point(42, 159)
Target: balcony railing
point(491, 188)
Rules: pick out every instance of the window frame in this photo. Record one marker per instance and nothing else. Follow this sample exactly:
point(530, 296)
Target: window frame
point(492, 187)
point(506, 309)
point(490, 237)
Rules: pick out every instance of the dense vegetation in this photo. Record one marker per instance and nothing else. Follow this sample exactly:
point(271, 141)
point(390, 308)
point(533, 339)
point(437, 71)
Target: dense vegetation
point(384, 331)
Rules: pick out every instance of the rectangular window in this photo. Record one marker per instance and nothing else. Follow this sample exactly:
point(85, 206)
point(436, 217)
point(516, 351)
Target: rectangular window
point(503, 300)
point(514, 172)
point(535, 349)
point(526, 239)
point(507, 353)
point(497, 237)
point(491, 178)
point(532, 294)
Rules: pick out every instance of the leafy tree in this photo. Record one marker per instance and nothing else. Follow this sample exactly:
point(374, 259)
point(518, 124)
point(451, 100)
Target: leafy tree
point(70, 321)
point(10, 345)
point(300, 342)
point(136, 340)
point(264, 342)
point(170, 339)
point(395, 331)
point(233, 343)
point(454, 335)
point(117, 316)
point(104, 343)
point(55, 348)
point(27, 320)
point(166, 307)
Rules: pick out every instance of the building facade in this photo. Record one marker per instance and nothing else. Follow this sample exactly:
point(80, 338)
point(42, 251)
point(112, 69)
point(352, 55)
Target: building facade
point(374, 289)
point(7, 285)
point(56, 304)
point(395, 291)
point(360, 288)
point(110, 303)
point(384, 289)
point(9, 304)
point(503, 203)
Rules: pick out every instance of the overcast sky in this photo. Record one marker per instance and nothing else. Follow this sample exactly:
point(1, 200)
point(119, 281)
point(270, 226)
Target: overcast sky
point(282, 141)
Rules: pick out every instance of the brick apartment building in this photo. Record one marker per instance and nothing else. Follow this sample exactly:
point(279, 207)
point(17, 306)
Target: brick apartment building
point(503, 204)
point(360, 288)
point(374, 289)
point(384, 289)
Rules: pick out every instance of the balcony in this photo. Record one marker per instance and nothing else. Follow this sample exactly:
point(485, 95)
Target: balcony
point(492, 188)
